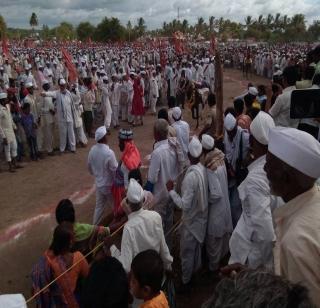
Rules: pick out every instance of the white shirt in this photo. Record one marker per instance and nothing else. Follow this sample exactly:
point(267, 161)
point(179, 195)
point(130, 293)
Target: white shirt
point(183, 130)
point(254, 234)
point(102, 164)
point(154, 89)
point(142, 231)
point(280, 111)
point(194, 201)
point(64, 105)
point(219, 216)
point(163, 167)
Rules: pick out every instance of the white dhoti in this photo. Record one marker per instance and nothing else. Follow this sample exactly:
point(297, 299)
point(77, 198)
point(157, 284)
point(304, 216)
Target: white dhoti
point(45, 137)
point(190, 254)
point(66, 133)
point(10, 150)
point(153, 103)
point(217, 248)
point(104, 200)
point(80, 135)
point(115, 115)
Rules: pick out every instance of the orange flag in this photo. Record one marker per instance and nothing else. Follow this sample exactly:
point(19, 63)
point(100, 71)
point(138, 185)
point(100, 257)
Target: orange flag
point(73, 74)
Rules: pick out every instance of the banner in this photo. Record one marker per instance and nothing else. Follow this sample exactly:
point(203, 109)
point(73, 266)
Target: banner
point(5, 48)
point(73, 75)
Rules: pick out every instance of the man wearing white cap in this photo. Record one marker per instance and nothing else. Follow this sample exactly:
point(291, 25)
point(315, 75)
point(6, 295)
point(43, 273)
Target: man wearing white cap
point(4, 76)
point(236, 145)
point(105, 102)
point(31, 99)
point(27, 77)
point(7, 136)
point(142, 231)
point(65, 114)
point(219, 225)
point(252, 240)
point(114, 96)
point(182, 129)
point(292, 167)
point(164, 166)
point(46, 118)
point(280, 111)
point(102, 164)
point(154, 92)
point(48, 73)
point(194, 205)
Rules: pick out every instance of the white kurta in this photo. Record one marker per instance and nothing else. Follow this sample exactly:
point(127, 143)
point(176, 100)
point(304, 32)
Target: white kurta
point(142, 231)
point(252, 240)
point(194, 205)
point(280, 111)
point(183, 131)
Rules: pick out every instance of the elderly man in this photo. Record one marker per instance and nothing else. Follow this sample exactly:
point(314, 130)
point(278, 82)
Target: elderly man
point(236, 144)
point(182, 129)
point(252, 240)
point(219, 225)
point(164, 166)
point(280, 111)
point(194, 204)
point(102, 164)
point(65, 113)
point(105, 102)
point(7, 136)
point(46, 119)
point(114, 96)
point(154, 92)
point(142, 231)
point(292, 167)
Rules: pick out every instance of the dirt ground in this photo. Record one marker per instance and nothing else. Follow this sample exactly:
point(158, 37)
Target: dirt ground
point(28, 199)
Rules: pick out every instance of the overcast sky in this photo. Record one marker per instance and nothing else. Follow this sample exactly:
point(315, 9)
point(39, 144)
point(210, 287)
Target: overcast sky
point(155, 12)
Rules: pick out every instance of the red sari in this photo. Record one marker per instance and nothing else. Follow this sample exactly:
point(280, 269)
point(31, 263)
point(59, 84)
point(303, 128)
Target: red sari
point(137, 102)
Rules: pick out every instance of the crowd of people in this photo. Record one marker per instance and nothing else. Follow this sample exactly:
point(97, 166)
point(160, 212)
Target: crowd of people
point(248, 200)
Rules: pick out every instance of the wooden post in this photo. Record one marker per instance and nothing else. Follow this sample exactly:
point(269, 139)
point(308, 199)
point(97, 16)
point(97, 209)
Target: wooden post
point(218, 87)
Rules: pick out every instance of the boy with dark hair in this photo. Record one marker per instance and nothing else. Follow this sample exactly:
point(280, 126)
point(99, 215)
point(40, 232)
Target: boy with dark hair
point(29, 126)
point(146, 278)
point(106, 285)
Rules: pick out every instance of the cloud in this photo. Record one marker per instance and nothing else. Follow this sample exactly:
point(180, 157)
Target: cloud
point(18, 12)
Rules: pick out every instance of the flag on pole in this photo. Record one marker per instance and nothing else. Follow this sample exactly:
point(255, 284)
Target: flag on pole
point(73, 75)
point(5, 48)
point(213, 43)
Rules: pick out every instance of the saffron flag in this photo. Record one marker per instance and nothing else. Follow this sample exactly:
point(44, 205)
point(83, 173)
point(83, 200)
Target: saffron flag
point(5, 48)
point(73, 75)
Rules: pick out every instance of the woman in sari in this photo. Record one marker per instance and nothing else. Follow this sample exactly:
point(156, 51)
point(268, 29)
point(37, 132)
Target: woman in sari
point(53, 264)
point(137, 102)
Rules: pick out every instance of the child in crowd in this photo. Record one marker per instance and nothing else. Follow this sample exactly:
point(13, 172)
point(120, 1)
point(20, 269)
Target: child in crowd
point(29, 126)
point(146, 278)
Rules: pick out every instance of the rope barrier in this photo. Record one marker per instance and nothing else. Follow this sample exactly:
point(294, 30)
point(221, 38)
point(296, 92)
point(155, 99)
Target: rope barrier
point(172, 230)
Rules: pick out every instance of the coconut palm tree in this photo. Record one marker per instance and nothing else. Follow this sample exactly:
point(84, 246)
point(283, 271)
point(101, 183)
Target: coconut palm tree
point(33, 21)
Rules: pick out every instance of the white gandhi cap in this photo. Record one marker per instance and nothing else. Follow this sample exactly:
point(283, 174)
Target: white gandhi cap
point(260, 127)
point(176, 113)
point(100, 133)
point(135, 193)
point(195, 147)
point(207, 142)
point(296, 148)
point(229, 122)
point(12, 301)
point(3, 95)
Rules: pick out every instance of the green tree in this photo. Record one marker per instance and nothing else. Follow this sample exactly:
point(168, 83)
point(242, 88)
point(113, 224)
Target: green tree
point(109, 30)
point(141, 26)
point(3, 26)
point(314, 31)
point(85, 30)
point(211, 23)
point(45, 33)
point(185, 26)
point(65, 31)
point(33, 21)
point(200, 25)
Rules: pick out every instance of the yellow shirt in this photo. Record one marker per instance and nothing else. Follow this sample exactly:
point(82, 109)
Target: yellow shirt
point(159, 301)
point(297, 250)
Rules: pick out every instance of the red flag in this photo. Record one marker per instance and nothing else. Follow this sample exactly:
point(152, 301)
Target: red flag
point(5, 48)
point(73, 75)
point(162, 55)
